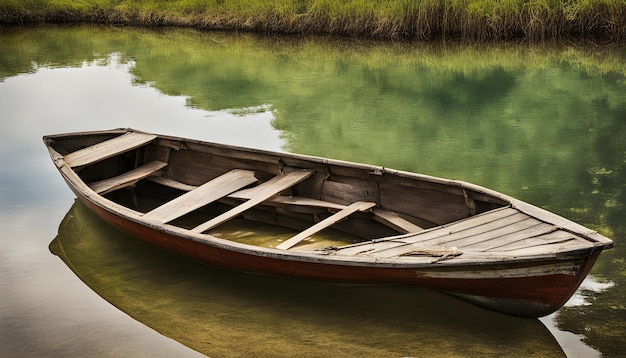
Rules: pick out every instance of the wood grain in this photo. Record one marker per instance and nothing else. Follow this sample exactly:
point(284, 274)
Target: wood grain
point(107, 149)
point(127, 179)
point(260, 193)
point(203, 195)
point(333, 219)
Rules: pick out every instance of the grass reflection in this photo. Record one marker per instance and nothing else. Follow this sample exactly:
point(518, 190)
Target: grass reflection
point(222, 313)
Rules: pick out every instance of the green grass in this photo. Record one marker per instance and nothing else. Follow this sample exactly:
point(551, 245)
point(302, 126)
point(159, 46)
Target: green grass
point(391, 19)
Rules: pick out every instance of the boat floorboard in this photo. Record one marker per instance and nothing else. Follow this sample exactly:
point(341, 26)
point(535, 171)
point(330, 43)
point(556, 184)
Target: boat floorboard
point(551, 238)
point(549, 247)
point(477, 238)
point(522, 235)
point(443, 234)
point(502, 231)
point(471, 226)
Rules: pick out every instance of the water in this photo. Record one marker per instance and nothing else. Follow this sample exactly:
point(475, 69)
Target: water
point(546, 125)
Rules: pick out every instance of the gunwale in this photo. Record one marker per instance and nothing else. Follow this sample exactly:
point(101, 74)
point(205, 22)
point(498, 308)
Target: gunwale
point(418, 267)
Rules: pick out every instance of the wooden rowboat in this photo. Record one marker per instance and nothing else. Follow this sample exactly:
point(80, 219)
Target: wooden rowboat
point(396, 227)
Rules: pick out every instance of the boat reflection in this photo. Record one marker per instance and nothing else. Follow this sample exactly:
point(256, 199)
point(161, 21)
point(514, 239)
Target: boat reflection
point(222, 313)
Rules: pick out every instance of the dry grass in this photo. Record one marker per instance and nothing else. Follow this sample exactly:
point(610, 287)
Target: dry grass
point(482, 20)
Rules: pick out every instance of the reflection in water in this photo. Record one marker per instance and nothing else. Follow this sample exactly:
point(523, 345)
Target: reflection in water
point(588, 289)
point(583, 299)
point(221, 313)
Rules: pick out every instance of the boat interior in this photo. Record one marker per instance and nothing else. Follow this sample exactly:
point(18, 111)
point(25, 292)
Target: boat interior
point(309, 202)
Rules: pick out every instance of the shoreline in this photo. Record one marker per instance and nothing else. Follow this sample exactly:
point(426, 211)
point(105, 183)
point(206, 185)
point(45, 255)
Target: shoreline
point(603, 21)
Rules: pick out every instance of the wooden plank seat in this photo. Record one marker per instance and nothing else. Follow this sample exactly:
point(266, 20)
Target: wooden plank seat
point(329, 221)
point(107, 149)
point(383, 216)
point(127, 179)
point(246, 194)
point(203, 195)
point(386, 217)
point(258, 195)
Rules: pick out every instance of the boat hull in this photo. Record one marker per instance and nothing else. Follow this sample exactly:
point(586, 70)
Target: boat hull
point(454, 237)
point(520, 289)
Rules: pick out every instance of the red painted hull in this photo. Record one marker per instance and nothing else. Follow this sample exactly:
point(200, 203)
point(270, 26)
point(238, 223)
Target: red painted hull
point(534, 296)
point(514, 257)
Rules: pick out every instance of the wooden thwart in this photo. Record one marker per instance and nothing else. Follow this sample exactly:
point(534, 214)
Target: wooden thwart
point(260, 193)
point(171, 183)
point(127, 179)
point(107, 149)
point(340, 215)
point(202, 195)
point(394, 220)
point(386, 217)
point(247, 194)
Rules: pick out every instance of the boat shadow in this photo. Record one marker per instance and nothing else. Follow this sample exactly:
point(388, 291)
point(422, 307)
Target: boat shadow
point(223, 313)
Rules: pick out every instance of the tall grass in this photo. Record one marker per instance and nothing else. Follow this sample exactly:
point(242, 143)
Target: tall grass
point(392, 19)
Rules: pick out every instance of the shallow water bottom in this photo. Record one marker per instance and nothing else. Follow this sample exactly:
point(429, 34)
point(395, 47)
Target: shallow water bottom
point(223, 313)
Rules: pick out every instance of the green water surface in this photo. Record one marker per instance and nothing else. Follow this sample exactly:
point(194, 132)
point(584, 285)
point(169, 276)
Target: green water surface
point(545, 124)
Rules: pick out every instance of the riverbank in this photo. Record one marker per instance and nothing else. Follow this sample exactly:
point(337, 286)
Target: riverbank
point(477, 20)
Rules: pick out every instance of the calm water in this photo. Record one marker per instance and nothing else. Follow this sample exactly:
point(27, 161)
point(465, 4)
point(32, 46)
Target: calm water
point(546, 125)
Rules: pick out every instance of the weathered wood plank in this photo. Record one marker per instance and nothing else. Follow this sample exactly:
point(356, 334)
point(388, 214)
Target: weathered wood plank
point(438, 207)
point(516, 237)
point(293, 200)
point(394, 220)
point(460, 228)
point(127, 179)
point(171, 183)
point(386, 217)
point(553, 237)
point(364, 248)
point(451, 229)
point(203, 195)
point(261, 193)
point(345, 191)
point(495, 232)
point(247, 194)
point(333, 219)
point(488, 232)
point(552, 248)
point(107, 149)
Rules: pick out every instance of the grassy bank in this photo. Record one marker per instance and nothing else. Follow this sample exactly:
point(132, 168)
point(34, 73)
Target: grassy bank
point(533, 20)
